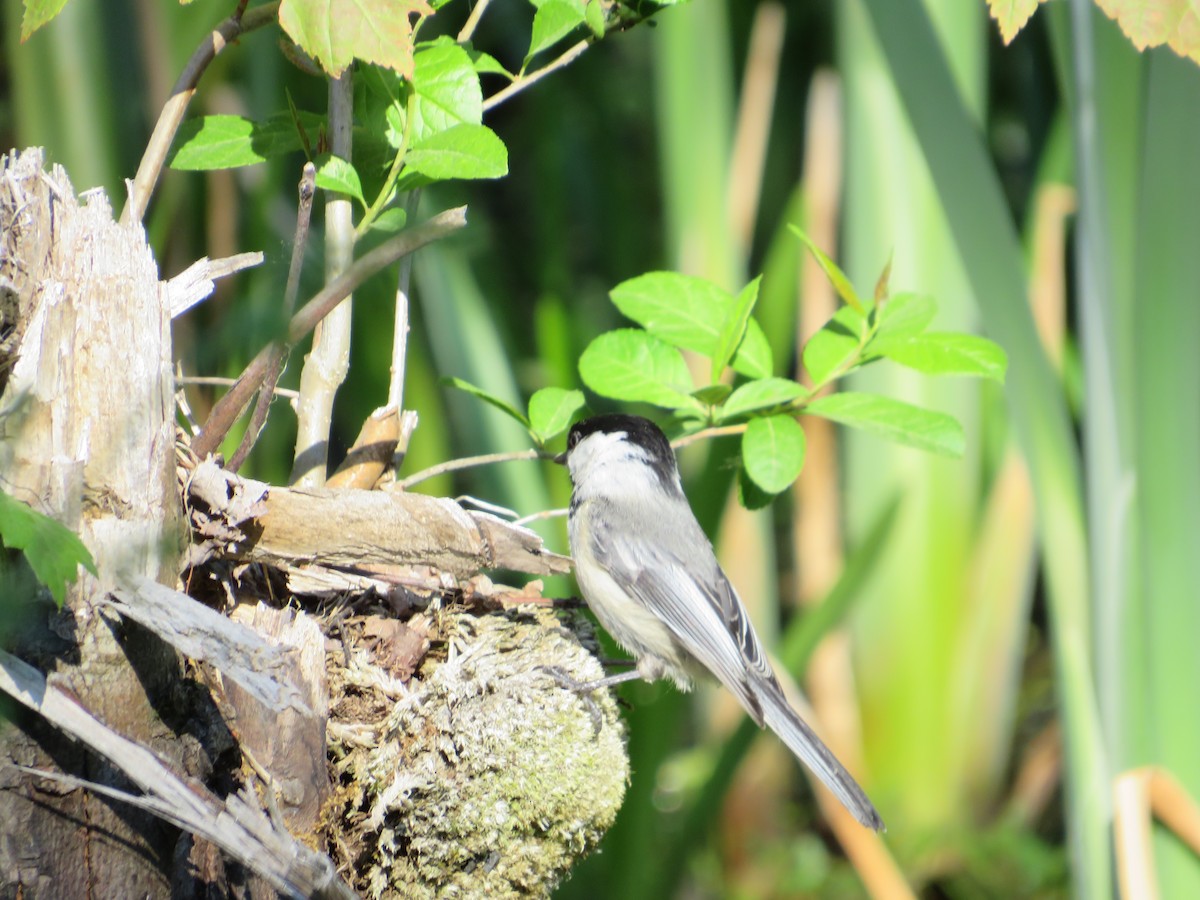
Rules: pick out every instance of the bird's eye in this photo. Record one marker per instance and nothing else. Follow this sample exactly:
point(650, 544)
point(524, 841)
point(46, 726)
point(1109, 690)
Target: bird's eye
point(572, 440)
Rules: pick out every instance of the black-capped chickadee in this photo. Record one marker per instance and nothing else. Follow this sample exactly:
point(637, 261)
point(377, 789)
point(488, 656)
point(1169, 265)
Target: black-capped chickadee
point(648, 572)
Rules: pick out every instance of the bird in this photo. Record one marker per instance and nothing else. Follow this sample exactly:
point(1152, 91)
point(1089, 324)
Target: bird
point(648, 572)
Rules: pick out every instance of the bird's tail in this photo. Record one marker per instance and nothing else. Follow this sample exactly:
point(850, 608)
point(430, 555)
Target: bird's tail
point(779, 716)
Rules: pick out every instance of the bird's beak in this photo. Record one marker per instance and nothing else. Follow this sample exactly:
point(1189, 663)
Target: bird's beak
point(561, 459)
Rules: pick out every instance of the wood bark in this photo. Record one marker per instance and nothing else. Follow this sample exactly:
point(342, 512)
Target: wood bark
point(87, 437)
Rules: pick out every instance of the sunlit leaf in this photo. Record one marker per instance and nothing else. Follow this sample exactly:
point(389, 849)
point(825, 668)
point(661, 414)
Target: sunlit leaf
point(337, 32)
point(37, 14)
point(950, 353)
point(460, 152)
point(680, 309)
point(734, 328)
point(901, 317)
point(502, 405)
point(335, 174)
point(773, 452)
point(550, 411)
point(1011, 15)
point(553, 21)
point(1151, 23)
point(753, 358)
point(894, 420)
point(226, 142)
point(765, 393)
point(834, 347)
point(629, 364)
point(836, 276)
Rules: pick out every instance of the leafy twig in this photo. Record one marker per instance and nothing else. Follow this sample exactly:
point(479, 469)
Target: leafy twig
point(467, 462)
point(400, 335)
point(171, 116)
point(229, 407)
point(262, 407)
point(524, 81)
point(328, 362)
point(706, 433)
point(468, 29)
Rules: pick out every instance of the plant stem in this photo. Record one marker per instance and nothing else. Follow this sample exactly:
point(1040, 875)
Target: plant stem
point(328, 362)
point(171, 116)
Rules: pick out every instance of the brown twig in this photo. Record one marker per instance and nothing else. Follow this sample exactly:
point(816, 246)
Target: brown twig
point(171, 116)
point(229, 407)
point(467, 462)
point(519, 84)
point(706, 433)
point(308, 187)
point(468, 29)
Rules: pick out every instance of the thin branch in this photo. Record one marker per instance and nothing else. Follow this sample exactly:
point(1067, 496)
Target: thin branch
point(171, 116)
point(468, 29)
point(218, 381)
point(400, 335)
point(308, 188)
point(524, 81)
point(328, 361)
point(544, 514)
point(229, 407)
point(467, 462)
point(705, 433)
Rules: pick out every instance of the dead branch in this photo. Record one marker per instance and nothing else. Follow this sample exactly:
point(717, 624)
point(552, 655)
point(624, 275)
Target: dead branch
point(235, 825)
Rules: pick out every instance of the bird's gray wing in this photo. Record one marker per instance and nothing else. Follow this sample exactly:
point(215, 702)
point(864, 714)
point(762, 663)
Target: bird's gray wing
point(669, 567)
point(674, 574)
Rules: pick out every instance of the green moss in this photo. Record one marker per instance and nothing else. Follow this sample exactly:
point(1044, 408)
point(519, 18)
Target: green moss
point(488, 779)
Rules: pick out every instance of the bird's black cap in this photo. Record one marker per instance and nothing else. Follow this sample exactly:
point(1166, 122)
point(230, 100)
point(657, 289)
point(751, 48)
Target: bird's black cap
point(639, 431)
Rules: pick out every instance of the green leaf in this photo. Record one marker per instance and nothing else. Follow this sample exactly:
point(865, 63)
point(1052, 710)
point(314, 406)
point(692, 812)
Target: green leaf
point(448, 92)
point(835, 346)
point(462, 151)
point(765, 393)
point(553, 21)
point(682, 310)
point(713, 394)
point(594, 14)
point(375, 31)
point(226, 142)
point(335, 174)
point(734, 329)
point(486, 64)
point(950, 353)
point(550, 411)
point(502, 405)
point(902, 317)
point(391, 220)
point(750, 495)
point(690, 312)
point(836, 276)
point(629, 364)
point(773, 452)
point(893, 419)
point(54, 552)
point(753, 358)
point(37, 14)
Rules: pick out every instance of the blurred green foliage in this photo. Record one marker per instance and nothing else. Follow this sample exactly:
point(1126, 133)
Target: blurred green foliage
point(966, 582)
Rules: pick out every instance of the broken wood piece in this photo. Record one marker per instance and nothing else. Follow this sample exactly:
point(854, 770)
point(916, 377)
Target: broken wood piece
point(353, 529)
point(237, 827)
point(197, 281)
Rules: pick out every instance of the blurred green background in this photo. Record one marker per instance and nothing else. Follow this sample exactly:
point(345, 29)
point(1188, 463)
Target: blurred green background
point(995, 639)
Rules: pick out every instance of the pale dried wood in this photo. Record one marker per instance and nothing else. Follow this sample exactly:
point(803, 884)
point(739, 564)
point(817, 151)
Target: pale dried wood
point(237, 827)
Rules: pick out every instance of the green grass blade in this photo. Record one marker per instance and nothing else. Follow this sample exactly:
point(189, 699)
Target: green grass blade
point(972, 198)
